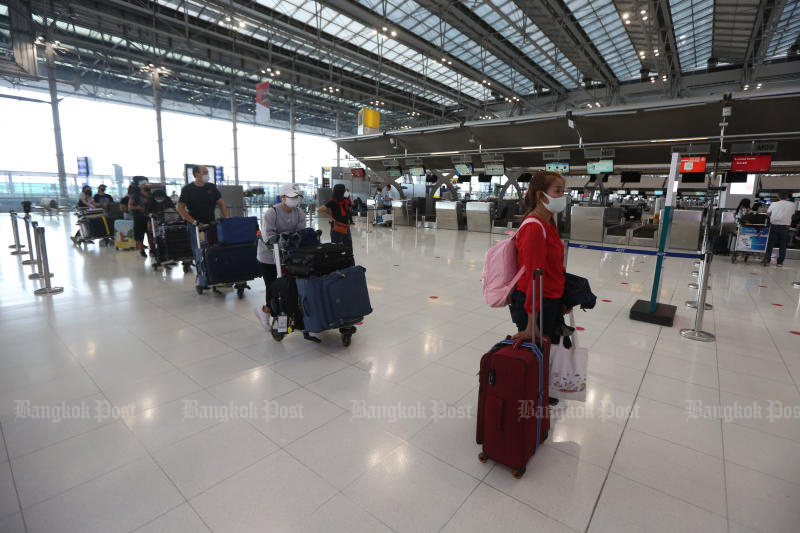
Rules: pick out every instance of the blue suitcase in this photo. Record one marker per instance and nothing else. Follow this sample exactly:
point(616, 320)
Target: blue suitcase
point(237, 230)
point(334, 300)
point(229, 264)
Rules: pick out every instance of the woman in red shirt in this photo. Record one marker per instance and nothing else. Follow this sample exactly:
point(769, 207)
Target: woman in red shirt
point(539, 246)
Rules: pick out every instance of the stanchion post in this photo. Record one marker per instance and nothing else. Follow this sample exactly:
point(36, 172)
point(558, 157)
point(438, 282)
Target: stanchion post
point(15, 230)
point(47, 289)
point(32, 260)
point(696, 333)
point(37, 269)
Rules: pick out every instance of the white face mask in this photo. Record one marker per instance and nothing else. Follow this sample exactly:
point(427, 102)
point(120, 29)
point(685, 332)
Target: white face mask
point(555, 205)
point(206, 178)
point(347, 194)
point(292, 202)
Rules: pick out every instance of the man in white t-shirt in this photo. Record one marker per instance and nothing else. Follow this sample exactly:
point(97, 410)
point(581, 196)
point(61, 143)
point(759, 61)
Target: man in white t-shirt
point(780, 217)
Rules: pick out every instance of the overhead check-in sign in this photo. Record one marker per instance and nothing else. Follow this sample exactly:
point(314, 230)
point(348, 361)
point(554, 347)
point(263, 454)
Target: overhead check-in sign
point(755, 147)
point(693, 164)
point(599, 153)
point(556, 155)
point(691, 149)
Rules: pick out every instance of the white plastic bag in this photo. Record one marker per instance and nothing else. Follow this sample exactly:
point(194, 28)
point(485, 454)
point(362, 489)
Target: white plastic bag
point(568, 367)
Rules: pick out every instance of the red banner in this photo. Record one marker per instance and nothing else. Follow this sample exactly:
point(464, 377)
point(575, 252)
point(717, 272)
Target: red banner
point(262, 102)
point(751, 163)
point(693, 164)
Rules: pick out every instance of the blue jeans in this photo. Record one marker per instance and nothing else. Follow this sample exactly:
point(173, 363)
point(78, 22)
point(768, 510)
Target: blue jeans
point(202, 280)
point(347, 239)
point(780, 235)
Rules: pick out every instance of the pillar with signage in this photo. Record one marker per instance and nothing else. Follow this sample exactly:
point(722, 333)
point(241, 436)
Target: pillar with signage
point(369, 121)
point(651, 311)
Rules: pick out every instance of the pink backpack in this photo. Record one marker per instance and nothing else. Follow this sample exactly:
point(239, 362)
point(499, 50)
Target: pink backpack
point(500, 274)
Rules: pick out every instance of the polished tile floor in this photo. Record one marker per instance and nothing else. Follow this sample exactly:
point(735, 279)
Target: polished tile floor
point(130, 403)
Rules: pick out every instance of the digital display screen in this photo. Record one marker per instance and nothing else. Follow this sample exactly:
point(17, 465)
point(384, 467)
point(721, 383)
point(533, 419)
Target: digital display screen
point(796, 195)
point(744, 188)
point(358, 172)
point(494, 169)
point(417, 171)
point(430, 179)
point(631, 177)
point(659, 192)
point(599, 167)
point(693, 177)
point(693, 164)
point(219, 173)
point(557, 166)
point(484, 178)
point(634, 192)
point(736, 177)
point(464, 179)
point(463, 169)
point(622, 191)
point(751, 163)
point(394, 172)
point(525, 177)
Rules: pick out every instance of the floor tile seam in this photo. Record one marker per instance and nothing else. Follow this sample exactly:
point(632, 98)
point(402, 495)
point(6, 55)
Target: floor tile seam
point(795, 483)
point(658, 373)
point(619, 440)
point(775, 345)
point(271, 367)
point(13, 480)
point(165, 513)
point(455, 512)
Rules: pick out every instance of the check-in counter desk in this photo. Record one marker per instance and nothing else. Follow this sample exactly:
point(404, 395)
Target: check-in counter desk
point(685, 231)
point(480, 216)
point(449, 215)
point(587, 223)
point(645, 235)
point(400, 215)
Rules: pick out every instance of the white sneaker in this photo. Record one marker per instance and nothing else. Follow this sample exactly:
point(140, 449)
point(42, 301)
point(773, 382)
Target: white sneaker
point(264, 318)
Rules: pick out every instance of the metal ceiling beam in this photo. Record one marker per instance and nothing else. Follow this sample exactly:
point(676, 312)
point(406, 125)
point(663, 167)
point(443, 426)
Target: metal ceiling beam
point(662, 17)
point(279, 22)
point(555, 20)
point(221, 45)
point(370, 19)
point(766, 21)
point(460, 16)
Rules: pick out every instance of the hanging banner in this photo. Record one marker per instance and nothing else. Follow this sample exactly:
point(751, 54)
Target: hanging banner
point(262, 102)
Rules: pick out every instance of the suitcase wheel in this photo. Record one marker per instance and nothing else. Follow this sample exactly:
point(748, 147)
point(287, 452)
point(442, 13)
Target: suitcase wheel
point(240, 291)
point(278, 336)
point(155, 266)
point(482, 457)
point(346, 338)
point(518, 472)
point(187, 268)
point(199, 290)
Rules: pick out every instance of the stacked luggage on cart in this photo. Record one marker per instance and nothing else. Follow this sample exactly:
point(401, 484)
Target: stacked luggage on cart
point(93, 224)
point(226, 254)
point(318, 288)
point(170, 240)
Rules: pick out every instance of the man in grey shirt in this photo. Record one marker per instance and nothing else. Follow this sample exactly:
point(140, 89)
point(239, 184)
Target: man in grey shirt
point(284, 217)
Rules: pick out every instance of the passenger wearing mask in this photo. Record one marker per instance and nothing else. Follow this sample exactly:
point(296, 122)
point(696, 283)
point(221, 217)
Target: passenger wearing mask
point(139, 207)
point(284, 217)
point(123, 203)
point(780, 218)
point(387, 199)
point(84, 202)
point(101, 198)
point(743, 209)
point(338, 210)
point(539, 245)
point(160, 202)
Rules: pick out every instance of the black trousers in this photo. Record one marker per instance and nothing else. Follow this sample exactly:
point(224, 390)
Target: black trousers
point(270, 274)
point(551, 315)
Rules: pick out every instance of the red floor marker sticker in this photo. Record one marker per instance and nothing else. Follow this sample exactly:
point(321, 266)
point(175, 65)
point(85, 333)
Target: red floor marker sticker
point(397, 265)
point(359, 323)
point(795, 332)
point(763, 286)
point(637, 270)
point(433, 297)
point(437, 257)
point(624, 283)
point(580, 328)
point(778, 305)
point(606, 301)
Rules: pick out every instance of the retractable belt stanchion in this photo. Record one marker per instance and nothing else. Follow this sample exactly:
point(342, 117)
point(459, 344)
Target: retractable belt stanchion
point(18, 248)
point(692, 304)
point(37, 267)
point(696, 333)
point(47, 289)
point(32, 260)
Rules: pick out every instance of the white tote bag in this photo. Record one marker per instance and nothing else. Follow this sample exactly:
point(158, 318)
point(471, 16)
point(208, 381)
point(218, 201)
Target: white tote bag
point(568, 367)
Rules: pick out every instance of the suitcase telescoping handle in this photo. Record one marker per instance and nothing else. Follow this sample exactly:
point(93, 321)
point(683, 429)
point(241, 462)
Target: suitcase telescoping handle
point(538, 273)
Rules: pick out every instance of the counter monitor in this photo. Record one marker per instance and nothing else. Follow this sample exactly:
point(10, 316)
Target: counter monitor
point(557, 166)
point(599, 167)
point(463, 169)
point(394, 172)
point(494, 169)
point(417, 170)
point(693, 177)
point(484, 178)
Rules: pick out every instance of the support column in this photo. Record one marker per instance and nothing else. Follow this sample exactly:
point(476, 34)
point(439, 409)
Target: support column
point(51, 81)
point(157, 105)
point(234, 112)
point(338, 133)
point(291, 132)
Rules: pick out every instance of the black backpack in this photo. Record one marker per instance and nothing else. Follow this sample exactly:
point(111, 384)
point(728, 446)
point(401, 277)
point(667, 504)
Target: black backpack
point(577, 292)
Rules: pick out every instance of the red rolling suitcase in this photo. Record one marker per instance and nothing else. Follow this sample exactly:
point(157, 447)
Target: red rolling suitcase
point(513, 400)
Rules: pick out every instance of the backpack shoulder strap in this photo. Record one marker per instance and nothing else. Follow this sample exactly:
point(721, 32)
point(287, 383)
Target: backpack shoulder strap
point(535, 221)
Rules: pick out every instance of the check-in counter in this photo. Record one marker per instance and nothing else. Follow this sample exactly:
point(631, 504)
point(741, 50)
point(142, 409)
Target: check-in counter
point(618, 233)
point(480, 216)
point(449, 214)
point(587, 223)
point(645, 235)
point(685, 231)
point(400, 215)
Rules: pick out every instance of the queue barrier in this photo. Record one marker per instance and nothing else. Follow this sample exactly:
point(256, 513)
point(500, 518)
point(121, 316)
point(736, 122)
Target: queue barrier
point(638, 251)
point(38, 253)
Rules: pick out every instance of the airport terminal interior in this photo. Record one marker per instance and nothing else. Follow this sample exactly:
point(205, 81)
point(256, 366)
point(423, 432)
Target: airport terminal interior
point(146, 387)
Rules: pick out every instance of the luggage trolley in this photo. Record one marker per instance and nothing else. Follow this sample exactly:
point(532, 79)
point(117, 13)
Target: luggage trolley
point(170, 241)
point(749, 239)
point(283, 323)
point(93, 224)
point(223, 266)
